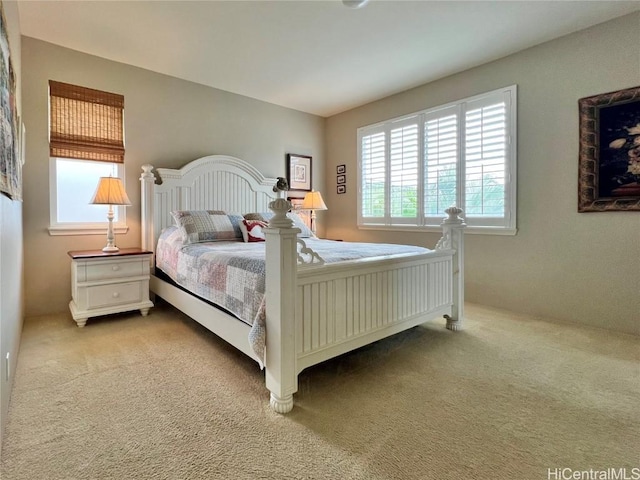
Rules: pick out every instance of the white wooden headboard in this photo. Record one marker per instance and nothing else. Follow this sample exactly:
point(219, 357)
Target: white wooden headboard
point(215, 182)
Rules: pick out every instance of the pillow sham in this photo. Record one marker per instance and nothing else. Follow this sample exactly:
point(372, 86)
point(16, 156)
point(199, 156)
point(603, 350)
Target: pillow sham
point(253, 216)
point(207, 226)
point(252, 230)
point(305, 232)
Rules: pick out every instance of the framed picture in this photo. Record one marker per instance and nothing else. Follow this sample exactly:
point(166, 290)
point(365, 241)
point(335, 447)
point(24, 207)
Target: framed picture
point(341, 189)
point(10, 125)
point(341, 179)
point(299, 172)
point(609, 159)
point(340, 169)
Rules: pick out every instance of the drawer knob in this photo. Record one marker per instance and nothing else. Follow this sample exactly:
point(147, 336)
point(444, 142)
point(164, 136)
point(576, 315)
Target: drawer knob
point(115, 295)
point(115, 267)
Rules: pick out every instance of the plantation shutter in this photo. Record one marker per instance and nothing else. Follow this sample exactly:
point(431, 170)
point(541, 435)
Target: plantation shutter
point(373, 174)
point(85, 124)
point(403, 171)
point(441, 162)
point(485, 149)
point(412, 168)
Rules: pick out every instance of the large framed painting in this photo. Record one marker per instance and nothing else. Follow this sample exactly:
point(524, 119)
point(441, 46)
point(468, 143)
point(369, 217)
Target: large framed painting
point(609, 164)
point(10, 164)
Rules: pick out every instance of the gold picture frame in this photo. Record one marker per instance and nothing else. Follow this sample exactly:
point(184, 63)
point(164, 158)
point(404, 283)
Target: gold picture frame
point(609, 156)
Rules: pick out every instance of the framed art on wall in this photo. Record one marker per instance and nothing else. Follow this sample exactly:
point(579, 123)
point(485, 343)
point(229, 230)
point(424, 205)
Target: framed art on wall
point(299, 172)
point(609, 163)
point(10, 164)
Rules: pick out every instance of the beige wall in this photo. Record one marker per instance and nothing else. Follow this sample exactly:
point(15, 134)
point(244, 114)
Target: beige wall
point(573, 267)
point(11, 285)
point(168, 122)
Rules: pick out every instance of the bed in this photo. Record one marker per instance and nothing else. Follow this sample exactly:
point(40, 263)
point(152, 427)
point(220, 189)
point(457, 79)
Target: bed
point(313, 309)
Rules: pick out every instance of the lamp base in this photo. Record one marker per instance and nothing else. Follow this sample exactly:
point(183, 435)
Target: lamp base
point(313, 222)
point(111, 239)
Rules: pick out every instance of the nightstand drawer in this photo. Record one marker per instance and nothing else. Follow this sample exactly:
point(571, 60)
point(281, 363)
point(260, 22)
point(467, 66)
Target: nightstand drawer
point(114, 294)
point(116, 269)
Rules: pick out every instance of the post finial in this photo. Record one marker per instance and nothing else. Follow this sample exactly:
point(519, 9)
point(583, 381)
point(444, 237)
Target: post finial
point(453, 213)
point(146, 171)
point(280, 207)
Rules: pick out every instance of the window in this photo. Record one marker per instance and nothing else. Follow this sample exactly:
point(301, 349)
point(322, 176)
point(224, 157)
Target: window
point(411, 168)
point(86, 142)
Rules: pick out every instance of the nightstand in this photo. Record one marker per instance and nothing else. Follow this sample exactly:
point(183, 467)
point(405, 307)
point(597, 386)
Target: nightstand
point(109, 282)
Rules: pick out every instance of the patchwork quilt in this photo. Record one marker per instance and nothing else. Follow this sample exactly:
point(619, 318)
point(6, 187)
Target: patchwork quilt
point(231, 274)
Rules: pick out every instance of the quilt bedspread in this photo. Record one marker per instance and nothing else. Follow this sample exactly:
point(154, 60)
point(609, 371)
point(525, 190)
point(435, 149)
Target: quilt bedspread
point(232, 274)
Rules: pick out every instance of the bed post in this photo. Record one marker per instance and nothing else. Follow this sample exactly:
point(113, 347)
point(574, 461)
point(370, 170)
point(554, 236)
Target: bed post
point(147, 180)
point(281, 264)
point(453, 238)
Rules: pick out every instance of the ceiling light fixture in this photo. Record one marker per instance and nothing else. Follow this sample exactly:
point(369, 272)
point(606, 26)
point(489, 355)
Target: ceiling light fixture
point(354, 3)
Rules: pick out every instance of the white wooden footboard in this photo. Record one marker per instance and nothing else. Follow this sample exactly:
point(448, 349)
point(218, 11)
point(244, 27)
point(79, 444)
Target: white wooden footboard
point(315, 313)
point(350, 305)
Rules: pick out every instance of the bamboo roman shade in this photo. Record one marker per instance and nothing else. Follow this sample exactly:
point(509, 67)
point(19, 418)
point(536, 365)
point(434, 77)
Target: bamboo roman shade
point(85, 123)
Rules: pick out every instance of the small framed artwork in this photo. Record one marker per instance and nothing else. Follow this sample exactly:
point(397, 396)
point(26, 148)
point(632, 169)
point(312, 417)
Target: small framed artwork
point(341, 169)
point(340, 179)
point(299, 172)
point(609, 159)
point(341, 189)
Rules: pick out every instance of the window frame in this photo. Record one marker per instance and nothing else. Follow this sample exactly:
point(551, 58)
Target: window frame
point(82, 228)
point(506, 225)
point(85, 125)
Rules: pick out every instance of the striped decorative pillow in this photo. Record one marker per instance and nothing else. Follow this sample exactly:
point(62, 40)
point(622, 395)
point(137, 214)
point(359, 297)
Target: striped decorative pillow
point(207, 226)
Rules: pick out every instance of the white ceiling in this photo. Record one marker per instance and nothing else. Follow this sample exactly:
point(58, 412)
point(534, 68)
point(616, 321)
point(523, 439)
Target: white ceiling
point(315, 56)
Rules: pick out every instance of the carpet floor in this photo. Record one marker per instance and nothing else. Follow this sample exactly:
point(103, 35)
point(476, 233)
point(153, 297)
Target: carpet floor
point(159, 397)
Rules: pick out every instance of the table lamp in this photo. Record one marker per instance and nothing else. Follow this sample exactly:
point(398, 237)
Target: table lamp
point(313, 201)
point(110, 192)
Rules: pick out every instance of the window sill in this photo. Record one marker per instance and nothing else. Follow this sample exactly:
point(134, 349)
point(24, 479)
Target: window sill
point(468, 229)
point(85, 230)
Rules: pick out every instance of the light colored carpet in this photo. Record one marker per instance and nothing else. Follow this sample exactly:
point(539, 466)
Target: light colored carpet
point(510, 397)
